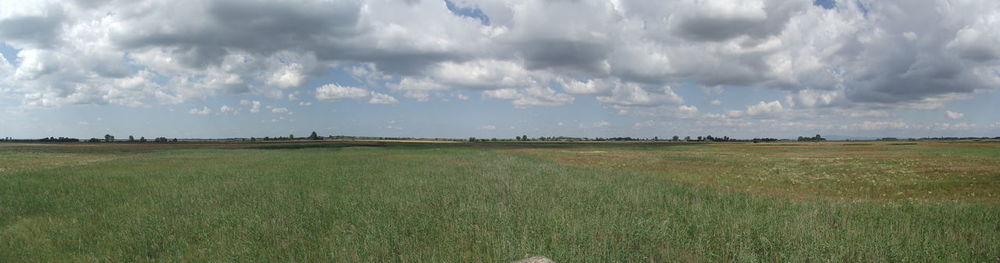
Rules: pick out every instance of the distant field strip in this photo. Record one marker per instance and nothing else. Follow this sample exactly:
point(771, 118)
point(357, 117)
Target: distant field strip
point(926, 171)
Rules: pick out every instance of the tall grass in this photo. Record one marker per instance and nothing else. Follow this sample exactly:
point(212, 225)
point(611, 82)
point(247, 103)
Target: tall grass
point(446, 204)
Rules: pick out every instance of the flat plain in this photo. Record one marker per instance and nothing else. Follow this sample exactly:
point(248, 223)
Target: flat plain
point(498, 202)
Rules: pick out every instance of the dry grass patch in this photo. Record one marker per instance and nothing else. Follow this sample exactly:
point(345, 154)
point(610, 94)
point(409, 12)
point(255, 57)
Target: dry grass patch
point(880, 171)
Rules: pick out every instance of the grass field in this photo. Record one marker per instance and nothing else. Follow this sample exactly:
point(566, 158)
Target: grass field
point(499, 202)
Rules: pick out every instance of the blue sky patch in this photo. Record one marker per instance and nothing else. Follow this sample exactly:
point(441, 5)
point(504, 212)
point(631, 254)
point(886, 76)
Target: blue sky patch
point(8, 53)
point(828, 4)
point(468, 12)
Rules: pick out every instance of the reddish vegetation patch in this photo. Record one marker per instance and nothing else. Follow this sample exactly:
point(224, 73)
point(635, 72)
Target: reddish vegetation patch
point(872, 171)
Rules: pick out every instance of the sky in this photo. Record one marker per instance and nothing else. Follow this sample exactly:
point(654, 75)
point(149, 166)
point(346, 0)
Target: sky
point(496, 68)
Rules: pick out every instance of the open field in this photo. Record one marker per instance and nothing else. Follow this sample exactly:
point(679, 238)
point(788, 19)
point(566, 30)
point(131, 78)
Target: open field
point(490, 202)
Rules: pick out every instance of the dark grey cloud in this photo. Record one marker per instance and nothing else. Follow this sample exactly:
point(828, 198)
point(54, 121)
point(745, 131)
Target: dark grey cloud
point(581, 56)
point(906, 56)
point(33, 30)
point(259, 27)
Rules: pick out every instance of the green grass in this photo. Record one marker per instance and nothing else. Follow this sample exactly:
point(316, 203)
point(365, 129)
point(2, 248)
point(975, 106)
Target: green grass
point(446, 203)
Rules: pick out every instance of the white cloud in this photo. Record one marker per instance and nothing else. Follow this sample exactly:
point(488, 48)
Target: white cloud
point(589, 87)
point(954, 115)
point(688, 110)
point(488, 128)
point(715, 102)
point(631, 94)
point(868, 114)
point(254, 105)
point(961, 126)
point(336, 92)
point(281, 110)
point(530, 97)
point(203, 111)
point(880, 125)
point(764, 108)
point(288, 77)
point(417, 88)
point(483, 74)
point(379, 98)
point(225, 109)
point(504, 94)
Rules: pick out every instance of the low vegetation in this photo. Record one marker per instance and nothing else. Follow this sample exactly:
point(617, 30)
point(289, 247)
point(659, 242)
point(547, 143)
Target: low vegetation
point(489, 202)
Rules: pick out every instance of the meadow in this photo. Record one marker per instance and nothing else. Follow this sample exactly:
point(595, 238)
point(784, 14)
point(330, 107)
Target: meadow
point(499, 202)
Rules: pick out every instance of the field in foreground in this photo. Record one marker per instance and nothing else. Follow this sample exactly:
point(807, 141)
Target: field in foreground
point(340, 201)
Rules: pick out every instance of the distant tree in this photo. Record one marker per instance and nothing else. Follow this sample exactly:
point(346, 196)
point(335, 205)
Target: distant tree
point(131, 139)
point(472, 139)
point(94, 140)
point(252, 139)
point(109, 138)
point(291, 137)
point(675, 138)
point(524, 137)
point(313, 136)
point(142, 139)
point(816, 138)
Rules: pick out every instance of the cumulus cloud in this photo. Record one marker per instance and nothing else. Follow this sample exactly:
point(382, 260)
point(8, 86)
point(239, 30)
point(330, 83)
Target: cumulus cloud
point(254, 105)
point(954, 115)
point(765, 108)
point(379, 98)
point(961, 126)
point(880, 125)
point(687, 109)
point(336, 92)
point(417, 88)
point(225, 109)
point(488, 128)
point(861, 58)
point(281, 110)
point(632, 94)
point(530, 97)
point(866, 114)
point(204, 111)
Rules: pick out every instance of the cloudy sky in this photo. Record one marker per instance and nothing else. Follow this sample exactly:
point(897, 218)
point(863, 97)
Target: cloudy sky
point(494, 68)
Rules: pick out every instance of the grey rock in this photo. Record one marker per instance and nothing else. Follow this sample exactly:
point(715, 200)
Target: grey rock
point(538, 259)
